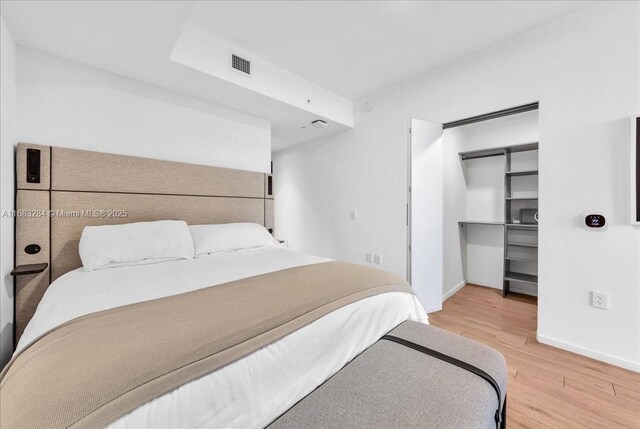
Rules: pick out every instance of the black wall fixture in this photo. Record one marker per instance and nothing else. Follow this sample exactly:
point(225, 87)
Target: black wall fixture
point(33, 165)
point(32, 249)
point(637, 170)
point(492, 115)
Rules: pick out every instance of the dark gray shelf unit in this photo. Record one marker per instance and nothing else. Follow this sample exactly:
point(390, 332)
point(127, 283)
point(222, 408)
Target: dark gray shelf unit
point(498, 151)
point(521, 277)
point(522, 173)
point(482, 153)
point(517, 258)
point(481, 222)
point(511, 274)
point(524, 147)
point(521, 226)
point(517, 244)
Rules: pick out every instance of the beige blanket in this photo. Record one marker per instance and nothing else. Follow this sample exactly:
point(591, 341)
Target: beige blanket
point(94, 369)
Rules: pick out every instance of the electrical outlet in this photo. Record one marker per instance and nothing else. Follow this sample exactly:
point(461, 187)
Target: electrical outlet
point(600, 300)
point(369, 257)
point(377, 259)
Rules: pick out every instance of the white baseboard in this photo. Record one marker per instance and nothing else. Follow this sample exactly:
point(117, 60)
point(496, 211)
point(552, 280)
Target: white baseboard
point(623, 363)
point(452, 292)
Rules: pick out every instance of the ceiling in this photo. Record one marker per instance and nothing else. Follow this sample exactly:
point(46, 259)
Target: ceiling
point(351, 48)
point(355, 48)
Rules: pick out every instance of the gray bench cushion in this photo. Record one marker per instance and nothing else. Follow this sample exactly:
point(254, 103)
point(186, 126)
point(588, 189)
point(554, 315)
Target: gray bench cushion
point(392, 386)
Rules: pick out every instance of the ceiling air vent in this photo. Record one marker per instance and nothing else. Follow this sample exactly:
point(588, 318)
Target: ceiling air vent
point(240, 64)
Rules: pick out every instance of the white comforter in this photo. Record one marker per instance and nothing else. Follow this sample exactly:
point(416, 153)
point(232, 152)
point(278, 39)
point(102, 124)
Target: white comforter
point(252, 391)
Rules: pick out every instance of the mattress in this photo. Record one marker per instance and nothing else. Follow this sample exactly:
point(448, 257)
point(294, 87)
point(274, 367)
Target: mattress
point(252, 391)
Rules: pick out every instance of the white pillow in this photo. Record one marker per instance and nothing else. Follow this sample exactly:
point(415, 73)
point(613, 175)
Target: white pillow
point(229, 236)
point(134, 243)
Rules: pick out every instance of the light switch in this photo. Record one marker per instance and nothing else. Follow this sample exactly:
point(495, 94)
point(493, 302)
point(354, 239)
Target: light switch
point(354, 215)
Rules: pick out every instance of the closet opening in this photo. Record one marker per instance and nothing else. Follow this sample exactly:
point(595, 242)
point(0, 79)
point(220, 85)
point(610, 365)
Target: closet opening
point(486, 190)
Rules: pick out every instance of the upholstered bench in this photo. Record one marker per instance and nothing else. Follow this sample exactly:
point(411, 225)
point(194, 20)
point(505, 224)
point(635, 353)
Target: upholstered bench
point(416, 376)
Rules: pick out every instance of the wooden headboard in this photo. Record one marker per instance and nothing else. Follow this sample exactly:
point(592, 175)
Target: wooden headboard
point(77, 188)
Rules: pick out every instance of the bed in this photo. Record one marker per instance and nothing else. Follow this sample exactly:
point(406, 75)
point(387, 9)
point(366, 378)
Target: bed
point(266, 382)
point(220, 399)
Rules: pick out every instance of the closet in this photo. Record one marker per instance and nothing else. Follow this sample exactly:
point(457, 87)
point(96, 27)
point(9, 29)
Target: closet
point(472, 211)
point(491, 204)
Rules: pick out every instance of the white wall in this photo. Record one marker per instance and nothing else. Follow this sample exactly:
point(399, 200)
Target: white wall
point(584, 70)
point(7, 140)
point(65, 103)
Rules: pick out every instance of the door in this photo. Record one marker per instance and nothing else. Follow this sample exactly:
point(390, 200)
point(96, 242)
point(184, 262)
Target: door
point(425, 211)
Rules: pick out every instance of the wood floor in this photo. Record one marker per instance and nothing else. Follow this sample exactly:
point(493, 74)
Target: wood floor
point(548, 387)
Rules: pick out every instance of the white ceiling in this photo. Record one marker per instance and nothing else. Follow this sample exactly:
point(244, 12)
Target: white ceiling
point(355, 48)
point(350, 48)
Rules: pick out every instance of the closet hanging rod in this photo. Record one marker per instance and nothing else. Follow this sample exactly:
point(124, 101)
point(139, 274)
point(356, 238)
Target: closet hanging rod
point(492, 115)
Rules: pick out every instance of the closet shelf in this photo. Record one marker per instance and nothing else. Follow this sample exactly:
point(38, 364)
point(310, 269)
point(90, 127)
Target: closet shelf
point(498, 151)
point(521, 226)
point(521, 198)
point(532, 245)
point(522, 147)
point(522, 173)
point(513, 258)
point(483, 153)
point(481, 222)
point(521, 277)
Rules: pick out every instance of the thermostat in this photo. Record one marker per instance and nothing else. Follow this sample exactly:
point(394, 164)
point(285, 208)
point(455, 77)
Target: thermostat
point(594, 221)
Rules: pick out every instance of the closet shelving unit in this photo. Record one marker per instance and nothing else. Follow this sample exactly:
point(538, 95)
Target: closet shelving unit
point(520, 239)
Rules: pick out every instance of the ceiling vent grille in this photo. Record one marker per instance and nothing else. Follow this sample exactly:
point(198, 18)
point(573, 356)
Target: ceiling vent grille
point(240, 64)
